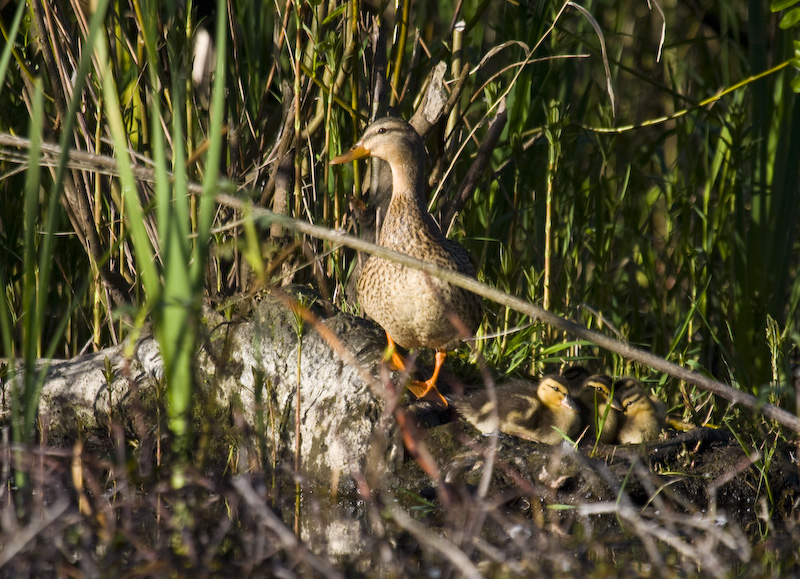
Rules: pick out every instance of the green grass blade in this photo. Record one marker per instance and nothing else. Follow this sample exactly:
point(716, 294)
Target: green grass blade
point(177, 320)
point(207, 205)
point(26, 407)
point(8, 50)
point(141, 241)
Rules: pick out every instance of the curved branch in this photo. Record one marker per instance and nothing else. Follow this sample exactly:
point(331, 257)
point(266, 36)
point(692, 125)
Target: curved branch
point(106, 164)
point(624, 349)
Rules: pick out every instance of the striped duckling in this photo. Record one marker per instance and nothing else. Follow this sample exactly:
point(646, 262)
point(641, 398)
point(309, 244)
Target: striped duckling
point(527, 410)
point(643, 416)
point(600, 409)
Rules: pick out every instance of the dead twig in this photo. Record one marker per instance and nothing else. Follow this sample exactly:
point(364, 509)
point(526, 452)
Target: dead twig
point(284, 534)
point(36, 526)
point(478, 166)
point(421, 533)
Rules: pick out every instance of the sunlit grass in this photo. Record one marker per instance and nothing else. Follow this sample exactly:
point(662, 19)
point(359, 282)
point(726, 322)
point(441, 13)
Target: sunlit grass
point(679, 236)
point(655, 234)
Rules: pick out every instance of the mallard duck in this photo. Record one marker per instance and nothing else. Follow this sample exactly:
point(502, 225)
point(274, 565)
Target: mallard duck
point(599, 407)
point(525, 409)
point(575, 376)
point(643, 417)
point(412, 307)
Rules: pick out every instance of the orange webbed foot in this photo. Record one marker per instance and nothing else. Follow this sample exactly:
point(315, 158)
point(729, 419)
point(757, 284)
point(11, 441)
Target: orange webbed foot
point(425, 390)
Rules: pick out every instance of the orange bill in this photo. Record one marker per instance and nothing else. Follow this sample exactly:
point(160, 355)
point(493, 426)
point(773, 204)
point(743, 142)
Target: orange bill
point(357, 152)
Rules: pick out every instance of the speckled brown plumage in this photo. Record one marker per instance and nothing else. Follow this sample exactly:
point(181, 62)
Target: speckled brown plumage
point(410, 305)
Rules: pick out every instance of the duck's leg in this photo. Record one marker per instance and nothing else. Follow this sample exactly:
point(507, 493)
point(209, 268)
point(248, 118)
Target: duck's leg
point(427, 390)
point(423, 390)
point(397, 361)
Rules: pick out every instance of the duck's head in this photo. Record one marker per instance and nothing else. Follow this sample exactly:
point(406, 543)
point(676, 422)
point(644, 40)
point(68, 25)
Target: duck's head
point(390, 139)
point(553, 391)
point(633, 397)
point(597, 390)
point(575, 377)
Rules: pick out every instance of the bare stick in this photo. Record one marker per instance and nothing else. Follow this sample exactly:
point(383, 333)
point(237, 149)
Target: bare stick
point(624, 349)
point(106, 165)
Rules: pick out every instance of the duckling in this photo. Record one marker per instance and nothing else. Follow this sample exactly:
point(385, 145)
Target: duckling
point(412, 307)
point(575, 376)
point(527, 410)
point(643, 417)
point(599, 407)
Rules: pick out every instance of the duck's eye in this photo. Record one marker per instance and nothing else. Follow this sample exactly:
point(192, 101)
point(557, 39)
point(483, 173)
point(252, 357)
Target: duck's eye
point(382, 130)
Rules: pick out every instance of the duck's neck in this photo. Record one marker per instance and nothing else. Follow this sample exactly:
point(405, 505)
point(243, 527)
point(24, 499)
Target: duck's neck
point(407, 222)
point(408, 180)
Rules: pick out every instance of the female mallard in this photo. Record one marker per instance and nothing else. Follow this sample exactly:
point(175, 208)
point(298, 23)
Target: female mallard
point(413, 307)
point(539, 412)
point(642, 417)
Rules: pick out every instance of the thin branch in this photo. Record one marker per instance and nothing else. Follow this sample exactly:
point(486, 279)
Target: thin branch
point(624, 349)
point(467, 187)
point(284, 535)
point(444, 547)
point(36, 526)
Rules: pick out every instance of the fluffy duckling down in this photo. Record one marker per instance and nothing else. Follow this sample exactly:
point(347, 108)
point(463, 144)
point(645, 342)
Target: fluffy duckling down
point(643, 417)
point(533, 411)
point(600, 409)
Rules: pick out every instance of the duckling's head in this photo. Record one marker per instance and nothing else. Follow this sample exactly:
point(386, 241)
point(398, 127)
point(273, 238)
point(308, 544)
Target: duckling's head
point(600, 408)
point(643, 417)
point(390, 139)
point(633, 398)
point(553, 391)
point(575, 377)
point(597, 390)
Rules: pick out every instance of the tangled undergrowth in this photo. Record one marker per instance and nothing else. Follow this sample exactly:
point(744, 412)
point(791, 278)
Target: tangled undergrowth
point(630, 168)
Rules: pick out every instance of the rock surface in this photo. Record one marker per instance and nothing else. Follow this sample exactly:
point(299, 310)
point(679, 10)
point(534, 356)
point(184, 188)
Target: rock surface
point(248, 371)
point(262, 363)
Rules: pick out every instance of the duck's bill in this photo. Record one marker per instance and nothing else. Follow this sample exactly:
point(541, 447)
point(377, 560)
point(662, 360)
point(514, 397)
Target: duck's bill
point(357, 152)
point(570, 404)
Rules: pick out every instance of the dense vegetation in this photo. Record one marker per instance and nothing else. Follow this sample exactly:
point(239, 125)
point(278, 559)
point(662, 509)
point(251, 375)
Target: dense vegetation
point(644, 182)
